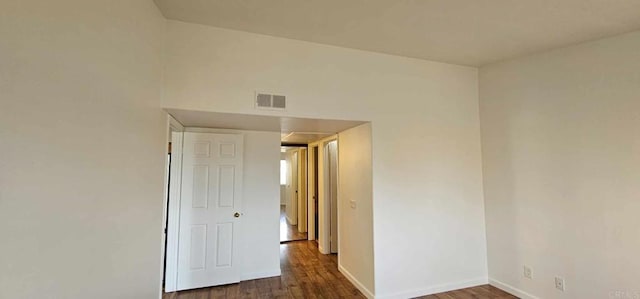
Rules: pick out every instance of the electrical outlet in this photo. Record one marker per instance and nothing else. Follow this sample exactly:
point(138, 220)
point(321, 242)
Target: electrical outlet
point(560, 283)
point(527, 272)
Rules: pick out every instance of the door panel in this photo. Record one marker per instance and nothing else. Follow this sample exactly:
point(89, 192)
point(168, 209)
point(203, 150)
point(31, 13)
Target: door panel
point(198, 247)
point(211, 196)
point(225, 241)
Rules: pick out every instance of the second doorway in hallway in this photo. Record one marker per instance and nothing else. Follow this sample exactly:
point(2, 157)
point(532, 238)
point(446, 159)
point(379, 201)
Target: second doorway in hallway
point(293, 192)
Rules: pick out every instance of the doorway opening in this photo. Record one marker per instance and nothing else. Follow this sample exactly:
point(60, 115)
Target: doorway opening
point(221, 189)
point(293, 193)
point(323, 197)
point(331, 197)
point(168, 186)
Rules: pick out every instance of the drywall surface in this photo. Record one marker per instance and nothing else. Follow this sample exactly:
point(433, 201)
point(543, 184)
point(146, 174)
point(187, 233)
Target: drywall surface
point(355, 209)
point(561, 155)
point(427, 178)
point(260, 205)
point(83, 149)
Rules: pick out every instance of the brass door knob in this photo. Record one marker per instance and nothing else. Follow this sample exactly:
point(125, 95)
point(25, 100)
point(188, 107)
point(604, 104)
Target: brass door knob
point(236, 215)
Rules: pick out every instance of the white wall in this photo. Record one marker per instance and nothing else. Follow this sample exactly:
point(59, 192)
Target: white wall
point(426, 164)
point(83, 149)
point(261, 254)
point(260, 233)
point(356, 222)
point(561, 166)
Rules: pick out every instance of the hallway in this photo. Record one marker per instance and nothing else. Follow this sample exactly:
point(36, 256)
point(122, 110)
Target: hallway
point(289, 232)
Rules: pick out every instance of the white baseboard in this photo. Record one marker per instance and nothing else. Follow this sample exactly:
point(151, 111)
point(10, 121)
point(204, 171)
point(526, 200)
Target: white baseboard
point(356, 283)
point(258, 275)
point(511, 289)
point(436, 289)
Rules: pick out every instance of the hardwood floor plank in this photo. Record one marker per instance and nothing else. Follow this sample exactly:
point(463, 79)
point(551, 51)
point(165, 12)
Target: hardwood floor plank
point(479, 292)
point(289, 232)
point(232, 291)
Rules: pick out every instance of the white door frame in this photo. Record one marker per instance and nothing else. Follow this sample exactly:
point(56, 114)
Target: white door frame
point(175, 132)
point(311, 188)
point(302, 190)
point(331, 197)
point(293, 180)
point(324, 208)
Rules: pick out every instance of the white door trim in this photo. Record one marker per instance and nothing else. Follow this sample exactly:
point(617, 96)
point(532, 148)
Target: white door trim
point(311, 188)
point(175, 131)
point(324, 226)
point(302, 190)
point(331, 202)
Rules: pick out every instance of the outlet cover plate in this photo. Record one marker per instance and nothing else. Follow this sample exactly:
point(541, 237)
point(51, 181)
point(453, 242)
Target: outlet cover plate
point(560, 283)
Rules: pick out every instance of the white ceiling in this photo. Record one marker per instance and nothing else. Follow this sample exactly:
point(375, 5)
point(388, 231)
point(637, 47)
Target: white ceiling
point(202, 119)
point(467, 32)
point(292, 129)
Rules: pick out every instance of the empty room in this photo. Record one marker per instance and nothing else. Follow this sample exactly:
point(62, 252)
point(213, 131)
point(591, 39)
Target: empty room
point(174, 149)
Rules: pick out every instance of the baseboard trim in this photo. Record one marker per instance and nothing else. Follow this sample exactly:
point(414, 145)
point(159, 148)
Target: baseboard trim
point(321, 249)
point(511, 289)
point(356, 283)
point(436, 289)
point(258, 275)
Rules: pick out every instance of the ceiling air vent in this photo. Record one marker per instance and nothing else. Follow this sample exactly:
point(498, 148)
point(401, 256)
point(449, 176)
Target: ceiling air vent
point(270, 101)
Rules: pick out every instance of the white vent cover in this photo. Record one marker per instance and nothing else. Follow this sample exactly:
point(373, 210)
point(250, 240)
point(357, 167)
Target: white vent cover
point(270, 101)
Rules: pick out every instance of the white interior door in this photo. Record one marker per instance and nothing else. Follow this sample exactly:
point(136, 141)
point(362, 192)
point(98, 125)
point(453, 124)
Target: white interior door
point(210, 210)
point(294, 188)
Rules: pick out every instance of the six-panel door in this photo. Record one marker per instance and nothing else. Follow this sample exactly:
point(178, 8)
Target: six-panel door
point(210, 210)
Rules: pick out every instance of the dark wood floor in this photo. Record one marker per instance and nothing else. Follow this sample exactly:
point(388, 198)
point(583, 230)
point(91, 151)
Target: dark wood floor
point(308, 274)
point(289, 232)
point(479, 292)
